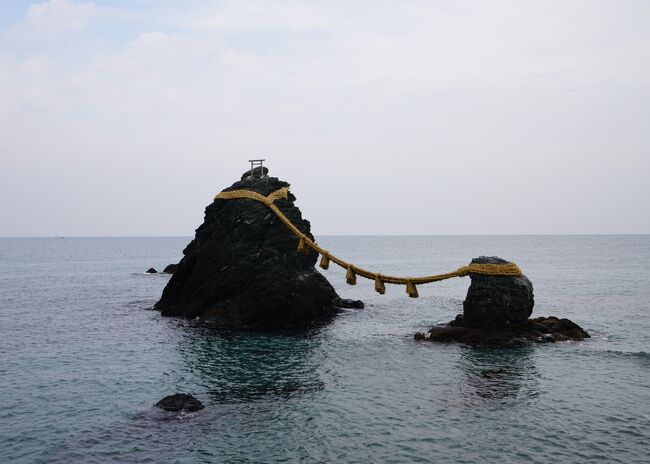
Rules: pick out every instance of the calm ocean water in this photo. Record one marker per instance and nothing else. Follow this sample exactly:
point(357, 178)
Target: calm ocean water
point(82, 361)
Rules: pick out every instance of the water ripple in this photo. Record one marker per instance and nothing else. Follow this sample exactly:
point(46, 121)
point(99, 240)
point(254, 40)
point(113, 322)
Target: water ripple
point(83, 361)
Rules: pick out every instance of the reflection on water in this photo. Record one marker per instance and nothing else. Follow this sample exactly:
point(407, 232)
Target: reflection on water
point(493, 375)
point(247, 366)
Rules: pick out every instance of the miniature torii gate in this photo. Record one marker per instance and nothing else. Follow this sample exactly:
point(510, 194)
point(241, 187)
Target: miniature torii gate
point(258, 163)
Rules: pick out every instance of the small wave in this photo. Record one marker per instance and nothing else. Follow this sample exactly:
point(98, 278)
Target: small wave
point(632, 354)
point(641, 356)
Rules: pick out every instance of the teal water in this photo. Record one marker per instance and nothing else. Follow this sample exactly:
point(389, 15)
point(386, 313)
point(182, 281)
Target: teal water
point(82, 361)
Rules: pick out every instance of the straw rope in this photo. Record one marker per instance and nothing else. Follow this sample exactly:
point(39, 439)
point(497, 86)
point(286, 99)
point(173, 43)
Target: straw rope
point(305, 243)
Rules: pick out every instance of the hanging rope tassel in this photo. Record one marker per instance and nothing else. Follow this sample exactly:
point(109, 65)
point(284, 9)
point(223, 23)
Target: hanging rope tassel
point(351, 277)
point(325, 262)
point(302, 245)
point(411, 290)
point(379, 285)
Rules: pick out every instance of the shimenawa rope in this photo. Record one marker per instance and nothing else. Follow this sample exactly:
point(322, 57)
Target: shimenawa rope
point(352, 271)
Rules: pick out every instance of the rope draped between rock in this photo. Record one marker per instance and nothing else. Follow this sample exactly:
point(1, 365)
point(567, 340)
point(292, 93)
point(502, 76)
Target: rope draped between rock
point(352, 271)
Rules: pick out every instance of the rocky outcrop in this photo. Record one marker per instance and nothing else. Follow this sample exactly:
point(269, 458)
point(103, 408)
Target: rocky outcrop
point(151, 271)
point(497, 301)
point(179, 402)
point(539, 330)
point(347, 303)
point(242, 270)
point(496, 312)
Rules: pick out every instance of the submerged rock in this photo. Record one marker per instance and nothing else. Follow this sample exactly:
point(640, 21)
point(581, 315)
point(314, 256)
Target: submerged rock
point(243, 270)
point(151, 271)
point(179, 402)
point(497, 301)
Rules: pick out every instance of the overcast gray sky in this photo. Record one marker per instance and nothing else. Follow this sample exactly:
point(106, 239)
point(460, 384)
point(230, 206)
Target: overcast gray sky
point(387, 117)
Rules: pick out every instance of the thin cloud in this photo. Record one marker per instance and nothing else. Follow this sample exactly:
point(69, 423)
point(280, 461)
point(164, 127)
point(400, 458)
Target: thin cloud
point(499, 117)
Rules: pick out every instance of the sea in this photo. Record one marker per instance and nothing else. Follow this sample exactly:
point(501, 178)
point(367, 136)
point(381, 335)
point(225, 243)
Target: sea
point(84, 358)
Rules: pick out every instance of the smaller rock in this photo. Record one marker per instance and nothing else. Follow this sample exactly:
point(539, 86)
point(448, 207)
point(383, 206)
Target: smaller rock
point(179, 402)
point(348, 303)
point(494, 302)
point(152, 271)
point(170, 269)
point(419, 336)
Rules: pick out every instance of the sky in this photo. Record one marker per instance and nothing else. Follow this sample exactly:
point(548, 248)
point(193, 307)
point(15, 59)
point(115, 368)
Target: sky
point(409, 117)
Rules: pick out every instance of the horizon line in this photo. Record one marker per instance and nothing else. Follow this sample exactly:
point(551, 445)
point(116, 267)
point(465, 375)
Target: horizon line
point(570, 234)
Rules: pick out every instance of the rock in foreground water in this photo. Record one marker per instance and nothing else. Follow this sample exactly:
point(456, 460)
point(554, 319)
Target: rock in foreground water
point(179, 402)
point(243, 270)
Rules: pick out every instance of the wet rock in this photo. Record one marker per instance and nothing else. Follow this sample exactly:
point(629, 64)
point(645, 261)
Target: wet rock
point(560, 329)
point(179, 402)
point(243, 270)
point(497, 301)
point(347, 303)
point(152, 271)
point(496, 312)
point(170, 268)
point(459, 321)
point(540, 328)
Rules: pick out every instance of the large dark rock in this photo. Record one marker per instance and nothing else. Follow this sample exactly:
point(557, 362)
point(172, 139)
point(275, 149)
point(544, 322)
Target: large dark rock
point(242, 270)
point(179, 402)
point(497, 301)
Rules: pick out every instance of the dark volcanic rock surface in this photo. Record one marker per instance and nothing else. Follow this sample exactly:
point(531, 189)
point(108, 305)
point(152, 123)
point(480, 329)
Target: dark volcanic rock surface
point(540, 330)
point(242, 270)
point(179, 402)
point(497, 301)
point(496, 312)
point(257, 172)
point(347, 303)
